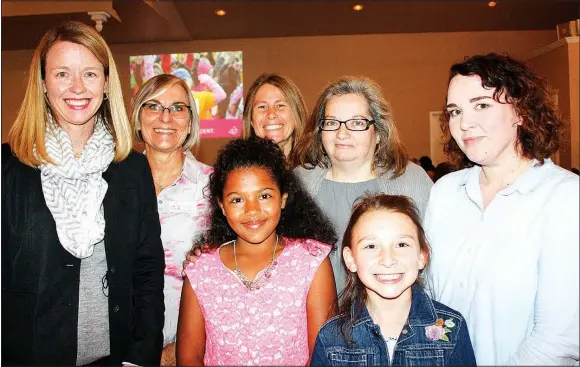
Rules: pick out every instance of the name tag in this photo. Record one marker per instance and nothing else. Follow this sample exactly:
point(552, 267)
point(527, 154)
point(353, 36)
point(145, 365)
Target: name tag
point(183, 206)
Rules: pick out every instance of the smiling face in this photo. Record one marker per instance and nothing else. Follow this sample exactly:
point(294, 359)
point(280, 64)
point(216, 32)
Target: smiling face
point(345, 147)
point(166, 132)
point(385, 253)
point(252, 204)
point(484, 129)
point(272, 116)
point(74, 83)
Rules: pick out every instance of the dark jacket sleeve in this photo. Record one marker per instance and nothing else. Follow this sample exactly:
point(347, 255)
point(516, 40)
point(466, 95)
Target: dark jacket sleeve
point(148, 310)
point(462, 354)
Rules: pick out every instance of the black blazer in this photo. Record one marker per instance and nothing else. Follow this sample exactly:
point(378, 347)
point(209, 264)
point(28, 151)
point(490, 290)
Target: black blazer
point(40, 279)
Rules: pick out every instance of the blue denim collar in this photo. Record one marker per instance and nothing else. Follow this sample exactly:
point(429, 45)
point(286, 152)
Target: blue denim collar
point(422, 311)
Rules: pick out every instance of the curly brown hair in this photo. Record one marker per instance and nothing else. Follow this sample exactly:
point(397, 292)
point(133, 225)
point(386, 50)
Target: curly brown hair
point(300, 218)
point(541, 130)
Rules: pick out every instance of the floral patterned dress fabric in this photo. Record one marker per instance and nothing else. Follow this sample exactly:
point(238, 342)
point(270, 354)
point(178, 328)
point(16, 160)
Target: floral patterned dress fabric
point(267, 326)
point(184, 214)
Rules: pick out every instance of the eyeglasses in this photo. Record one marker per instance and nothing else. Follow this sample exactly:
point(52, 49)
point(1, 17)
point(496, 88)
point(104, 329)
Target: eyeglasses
point(177, 111)
point(358, 124)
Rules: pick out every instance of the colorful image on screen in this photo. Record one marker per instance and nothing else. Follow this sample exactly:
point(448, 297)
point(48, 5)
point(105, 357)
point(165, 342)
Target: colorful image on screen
point(215, 79)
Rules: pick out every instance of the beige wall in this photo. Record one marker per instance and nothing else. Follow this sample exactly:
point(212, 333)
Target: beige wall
point(574, 69)
point(558, 63)
point(411, 68)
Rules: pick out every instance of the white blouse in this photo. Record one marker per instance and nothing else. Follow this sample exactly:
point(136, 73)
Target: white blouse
point(512, 269)
point(183, 213)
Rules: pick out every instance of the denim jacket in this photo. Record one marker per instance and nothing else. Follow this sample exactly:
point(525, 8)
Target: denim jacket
point(434, 335)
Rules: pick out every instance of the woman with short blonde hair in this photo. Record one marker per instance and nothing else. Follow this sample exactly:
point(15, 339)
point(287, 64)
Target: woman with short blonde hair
point(155, 87)
point(164, 117)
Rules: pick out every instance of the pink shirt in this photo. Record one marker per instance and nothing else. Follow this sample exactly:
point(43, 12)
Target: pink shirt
point(267, 326)
point(183, 213)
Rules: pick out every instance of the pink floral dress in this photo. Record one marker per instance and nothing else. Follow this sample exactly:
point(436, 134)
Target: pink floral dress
point(183, 213)
point(267, 326)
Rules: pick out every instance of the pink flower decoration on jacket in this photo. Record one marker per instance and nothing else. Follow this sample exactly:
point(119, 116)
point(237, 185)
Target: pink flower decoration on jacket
point(434, 332)
point(439, 329)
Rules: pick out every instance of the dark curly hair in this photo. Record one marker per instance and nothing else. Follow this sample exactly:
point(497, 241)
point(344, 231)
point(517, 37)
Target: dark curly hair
point(354, 295)
point(300, 218)
point(541, 130)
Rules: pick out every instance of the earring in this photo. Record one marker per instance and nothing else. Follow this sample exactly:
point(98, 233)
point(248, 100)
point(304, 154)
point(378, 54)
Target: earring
point(105, 96)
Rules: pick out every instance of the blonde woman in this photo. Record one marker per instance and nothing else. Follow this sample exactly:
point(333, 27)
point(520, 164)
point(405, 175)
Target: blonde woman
point(82, 260)
point(165, 119)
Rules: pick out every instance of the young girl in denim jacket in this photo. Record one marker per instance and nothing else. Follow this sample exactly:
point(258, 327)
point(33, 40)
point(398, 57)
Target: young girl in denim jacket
point(385, 317)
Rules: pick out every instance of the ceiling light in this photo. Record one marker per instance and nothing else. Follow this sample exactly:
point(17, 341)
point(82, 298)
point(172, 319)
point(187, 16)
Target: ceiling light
point(491, 4)
point(358, 7)
point(220, 12)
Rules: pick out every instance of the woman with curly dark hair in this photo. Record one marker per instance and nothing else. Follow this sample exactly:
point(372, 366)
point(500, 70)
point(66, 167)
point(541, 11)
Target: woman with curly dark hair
point(263, 285)
point(504, 230)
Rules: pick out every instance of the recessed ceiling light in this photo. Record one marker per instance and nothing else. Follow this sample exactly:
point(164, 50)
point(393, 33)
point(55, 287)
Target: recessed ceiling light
point(220, 12)
point(358, 7)
point(491, 4)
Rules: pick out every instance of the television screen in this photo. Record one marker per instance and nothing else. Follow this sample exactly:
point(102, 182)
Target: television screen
point(215, 80)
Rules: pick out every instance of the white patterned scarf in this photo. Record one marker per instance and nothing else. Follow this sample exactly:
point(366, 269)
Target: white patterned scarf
point(74, 189)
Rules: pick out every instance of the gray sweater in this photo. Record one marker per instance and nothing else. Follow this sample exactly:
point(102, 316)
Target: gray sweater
point(414, 183)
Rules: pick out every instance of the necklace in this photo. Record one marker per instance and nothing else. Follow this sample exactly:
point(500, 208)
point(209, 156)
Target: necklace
point(261, 280)
point(160, 187)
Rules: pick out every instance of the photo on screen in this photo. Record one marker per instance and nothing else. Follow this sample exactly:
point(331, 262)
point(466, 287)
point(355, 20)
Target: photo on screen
point(215, 79)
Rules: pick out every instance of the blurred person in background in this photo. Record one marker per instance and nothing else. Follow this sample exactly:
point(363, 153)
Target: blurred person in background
point(428, 166)
point(442, 169)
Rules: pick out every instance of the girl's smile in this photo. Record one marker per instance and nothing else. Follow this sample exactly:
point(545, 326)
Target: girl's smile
point(389, 278)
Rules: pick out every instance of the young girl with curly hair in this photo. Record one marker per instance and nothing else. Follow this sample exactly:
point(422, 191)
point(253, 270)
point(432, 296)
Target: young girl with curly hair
point(385, 316)
point(263, 284)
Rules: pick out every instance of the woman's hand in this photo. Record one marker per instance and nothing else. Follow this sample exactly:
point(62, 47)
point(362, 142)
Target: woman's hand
point(168, 355)
point(192, 257)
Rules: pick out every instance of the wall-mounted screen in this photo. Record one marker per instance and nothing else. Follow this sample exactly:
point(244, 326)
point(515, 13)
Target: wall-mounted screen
point(215, 80)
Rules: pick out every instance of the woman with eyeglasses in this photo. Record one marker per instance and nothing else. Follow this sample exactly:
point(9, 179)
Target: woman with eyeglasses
point(164, 118)
point(350, 147)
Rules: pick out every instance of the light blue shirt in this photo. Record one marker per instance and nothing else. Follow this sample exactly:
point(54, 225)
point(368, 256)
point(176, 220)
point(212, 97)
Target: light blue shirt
point(512, 269)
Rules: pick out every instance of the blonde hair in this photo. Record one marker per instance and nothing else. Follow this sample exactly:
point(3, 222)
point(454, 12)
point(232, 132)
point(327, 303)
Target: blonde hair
point(29, 127)
point(155, 87)
point(292, 95)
